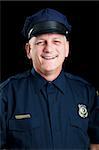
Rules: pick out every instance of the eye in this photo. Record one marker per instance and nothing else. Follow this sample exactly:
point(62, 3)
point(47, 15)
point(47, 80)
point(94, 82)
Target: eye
point(40, 43)
point(57, 41)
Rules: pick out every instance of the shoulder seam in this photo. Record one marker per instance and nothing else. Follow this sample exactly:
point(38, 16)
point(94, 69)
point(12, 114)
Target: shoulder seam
point(77, 78)
point(15, 77)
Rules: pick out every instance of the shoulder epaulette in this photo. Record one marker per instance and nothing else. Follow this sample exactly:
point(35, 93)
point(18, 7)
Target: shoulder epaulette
point(3, 84)
point(77, 78)
point(15, 77)
point(21, 75)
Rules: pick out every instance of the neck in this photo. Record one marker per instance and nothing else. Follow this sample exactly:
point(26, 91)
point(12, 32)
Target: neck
point(50, 75)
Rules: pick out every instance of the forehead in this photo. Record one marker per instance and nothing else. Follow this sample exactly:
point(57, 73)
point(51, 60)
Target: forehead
point(50, 35)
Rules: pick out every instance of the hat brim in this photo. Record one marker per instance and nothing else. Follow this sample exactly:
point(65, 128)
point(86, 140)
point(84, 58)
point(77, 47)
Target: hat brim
point(48, 31)
point(47, 27)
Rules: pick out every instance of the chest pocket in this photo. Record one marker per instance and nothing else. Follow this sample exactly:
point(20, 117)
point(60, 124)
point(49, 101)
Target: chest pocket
point(80, 117)
point(79, 130)
point(24, 124)
point(78, 122)
point(23, 133)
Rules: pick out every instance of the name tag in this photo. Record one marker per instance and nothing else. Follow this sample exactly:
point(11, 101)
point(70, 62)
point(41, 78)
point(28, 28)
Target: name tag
point(22, 116)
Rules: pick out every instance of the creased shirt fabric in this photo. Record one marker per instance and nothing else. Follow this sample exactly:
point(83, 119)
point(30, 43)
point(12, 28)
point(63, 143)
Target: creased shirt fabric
point(37, 114)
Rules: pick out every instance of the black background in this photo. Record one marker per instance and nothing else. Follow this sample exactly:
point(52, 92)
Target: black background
point(83, 16)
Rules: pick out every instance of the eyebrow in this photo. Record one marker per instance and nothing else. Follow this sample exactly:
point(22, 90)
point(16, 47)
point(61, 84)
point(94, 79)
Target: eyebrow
point(40, 39)
point(54, 38)
point(57, 38)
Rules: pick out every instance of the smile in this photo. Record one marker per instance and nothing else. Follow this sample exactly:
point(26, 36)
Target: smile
point(48, 57)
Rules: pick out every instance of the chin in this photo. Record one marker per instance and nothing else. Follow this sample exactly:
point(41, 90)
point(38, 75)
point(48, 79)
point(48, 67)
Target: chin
point(50, 69)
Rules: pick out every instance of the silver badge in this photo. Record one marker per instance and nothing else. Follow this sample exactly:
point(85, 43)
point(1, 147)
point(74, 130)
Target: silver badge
point(83, 111)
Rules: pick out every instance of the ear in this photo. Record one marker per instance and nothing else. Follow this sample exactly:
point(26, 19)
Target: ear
point(67, 49)
point(27, 48)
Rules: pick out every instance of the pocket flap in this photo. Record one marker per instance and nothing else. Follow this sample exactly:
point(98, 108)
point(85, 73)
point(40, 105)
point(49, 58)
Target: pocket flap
point(24, 124)
point(79, 122)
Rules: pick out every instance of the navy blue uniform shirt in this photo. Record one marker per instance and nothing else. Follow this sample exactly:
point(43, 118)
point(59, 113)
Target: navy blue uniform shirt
point(37, 114)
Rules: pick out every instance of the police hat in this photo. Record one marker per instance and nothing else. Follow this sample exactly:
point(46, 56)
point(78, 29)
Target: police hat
point(46, 21)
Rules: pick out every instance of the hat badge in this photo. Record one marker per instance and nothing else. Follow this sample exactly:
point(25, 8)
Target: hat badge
point(82, 111)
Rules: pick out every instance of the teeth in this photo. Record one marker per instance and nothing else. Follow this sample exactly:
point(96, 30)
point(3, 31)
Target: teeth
point(48, 58)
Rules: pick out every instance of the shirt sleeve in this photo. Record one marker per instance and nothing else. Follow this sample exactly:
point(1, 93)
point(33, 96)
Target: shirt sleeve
point(94, 120)
point(3, 116)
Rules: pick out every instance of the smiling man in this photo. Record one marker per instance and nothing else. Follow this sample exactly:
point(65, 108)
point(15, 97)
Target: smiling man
point(48, 52)
point(47, 108)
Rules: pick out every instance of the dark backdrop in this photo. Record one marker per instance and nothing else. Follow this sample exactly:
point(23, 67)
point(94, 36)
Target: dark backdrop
point(83, 16)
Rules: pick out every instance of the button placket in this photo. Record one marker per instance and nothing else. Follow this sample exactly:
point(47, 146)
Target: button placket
point(51, 95)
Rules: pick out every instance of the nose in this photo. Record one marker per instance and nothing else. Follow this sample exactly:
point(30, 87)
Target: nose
point(48, 48)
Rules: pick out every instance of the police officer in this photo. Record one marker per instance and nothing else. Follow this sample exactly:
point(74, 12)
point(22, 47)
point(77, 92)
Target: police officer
point(47, 108)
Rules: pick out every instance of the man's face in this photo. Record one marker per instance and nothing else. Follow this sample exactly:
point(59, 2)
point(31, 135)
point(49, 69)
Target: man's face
point(48, 52)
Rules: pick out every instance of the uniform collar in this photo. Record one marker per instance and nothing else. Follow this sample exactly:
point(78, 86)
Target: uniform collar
point(39, 81)
point(59, 82)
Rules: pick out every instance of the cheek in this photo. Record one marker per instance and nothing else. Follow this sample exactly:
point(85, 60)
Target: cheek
point(36, 56)
point(62, 53)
